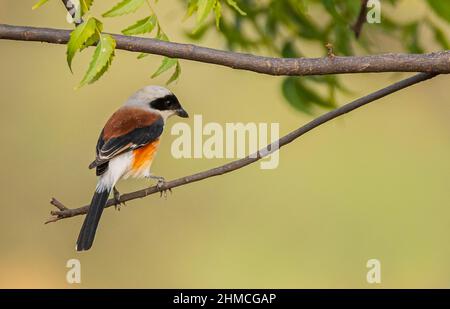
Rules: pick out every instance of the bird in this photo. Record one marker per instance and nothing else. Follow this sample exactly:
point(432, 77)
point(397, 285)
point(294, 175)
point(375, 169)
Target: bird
point(126, 148)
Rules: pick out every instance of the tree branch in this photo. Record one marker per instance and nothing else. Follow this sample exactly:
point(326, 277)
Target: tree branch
point(438, 62)
point(357, 26)
point(64, 212)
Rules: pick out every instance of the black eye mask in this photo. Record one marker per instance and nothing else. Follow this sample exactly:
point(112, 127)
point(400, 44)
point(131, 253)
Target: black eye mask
point(165, 103)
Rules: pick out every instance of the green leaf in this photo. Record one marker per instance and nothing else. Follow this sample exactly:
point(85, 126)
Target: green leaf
point(302, 23)
point(291, 94)
point(39, 4)
point(303, 97)
point(142, 55)
point(218, 13)
point(85, 6)
point(308, 94)
point(204, 8)
point(124, 7)
point(289, 51)
point(145, 25)
point(302, 6)
point(411, 38)
point(101, 60)
point(91, 41)
point(342, 40)
point(84, 35)
point(161, 35)
point(191, 8)
point(234, 5)
point(176, 74)
point(330, 6)
point(166, 64)
point(330, 80)
point(440, 37)
point(199, 33)
point(441, 8)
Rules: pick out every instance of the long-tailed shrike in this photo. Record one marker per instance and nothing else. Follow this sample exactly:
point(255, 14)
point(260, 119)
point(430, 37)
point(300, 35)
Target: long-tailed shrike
point(126, 148)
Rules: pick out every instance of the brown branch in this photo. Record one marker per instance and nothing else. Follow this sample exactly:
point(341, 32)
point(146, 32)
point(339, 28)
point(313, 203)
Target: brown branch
point(235, 165)
point(438, 62)
point(357, 26)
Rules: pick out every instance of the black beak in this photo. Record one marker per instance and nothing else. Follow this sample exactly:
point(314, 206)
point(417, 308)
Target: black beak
point(182, 113)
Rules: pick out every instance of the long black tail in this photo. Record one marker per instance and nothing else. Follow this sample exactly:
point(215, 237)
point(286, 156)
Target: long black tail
point(87, 232)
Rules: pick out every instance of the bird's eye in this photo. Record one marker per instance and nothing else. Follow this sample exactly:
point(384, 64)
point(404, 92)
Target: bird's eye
point(168, 103)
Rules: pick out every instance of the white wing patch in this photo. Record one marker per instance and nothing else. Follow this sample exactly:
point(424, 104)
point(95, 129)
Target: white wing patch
point(117, 167)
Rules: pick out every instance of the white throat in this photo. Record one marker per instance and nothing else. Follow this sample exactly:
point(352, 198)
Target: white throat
point(164, 114)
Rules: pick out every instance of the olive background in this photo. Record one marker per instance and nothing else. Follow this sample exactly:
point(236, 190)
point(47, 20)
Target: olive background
point(371, 184)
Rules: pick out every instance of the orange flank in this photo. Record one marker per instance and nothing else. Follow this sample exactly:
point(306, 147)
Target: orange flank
point(143, 156)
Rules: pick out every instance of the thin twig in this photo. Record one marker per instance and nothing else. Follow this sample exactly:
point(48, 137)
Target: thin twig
point(58, 204)
point(438, 62)
point(235, 165)
point(357, 26)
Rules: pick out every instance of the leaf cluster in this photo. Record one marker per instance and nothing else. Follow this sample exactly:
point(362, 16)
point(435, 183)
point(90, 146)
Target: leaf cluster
point(89, 33)
point(280, 27)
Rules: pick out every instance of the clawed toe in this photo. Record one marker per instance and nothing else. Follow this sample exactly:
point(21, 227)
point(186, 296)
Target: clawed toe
point(164, 191)
point(160, 185)
point(118, 203)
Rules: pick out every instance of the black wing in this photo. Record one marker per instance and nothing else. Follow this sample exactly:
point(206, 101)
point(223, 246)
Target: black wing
point(138, 137)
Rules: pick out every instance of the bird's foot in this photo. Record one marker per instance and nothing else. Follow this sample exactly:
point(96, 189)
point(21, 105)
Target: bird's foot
point(118, 203)
point(160, 184)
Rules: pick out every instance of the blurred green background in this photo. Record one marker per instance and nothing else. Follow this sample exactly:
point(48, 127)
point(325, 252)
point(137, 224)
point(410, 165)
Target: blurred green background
point(372, 184)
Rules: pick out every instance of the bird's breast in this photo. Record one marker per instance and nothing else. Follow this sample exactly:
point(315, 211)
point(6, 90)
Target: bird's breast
point(142, 160)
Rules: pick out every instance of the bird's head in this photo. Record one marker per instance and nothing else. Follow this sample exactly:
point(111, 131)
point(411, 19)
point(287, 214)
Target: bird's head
point(158, 99)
